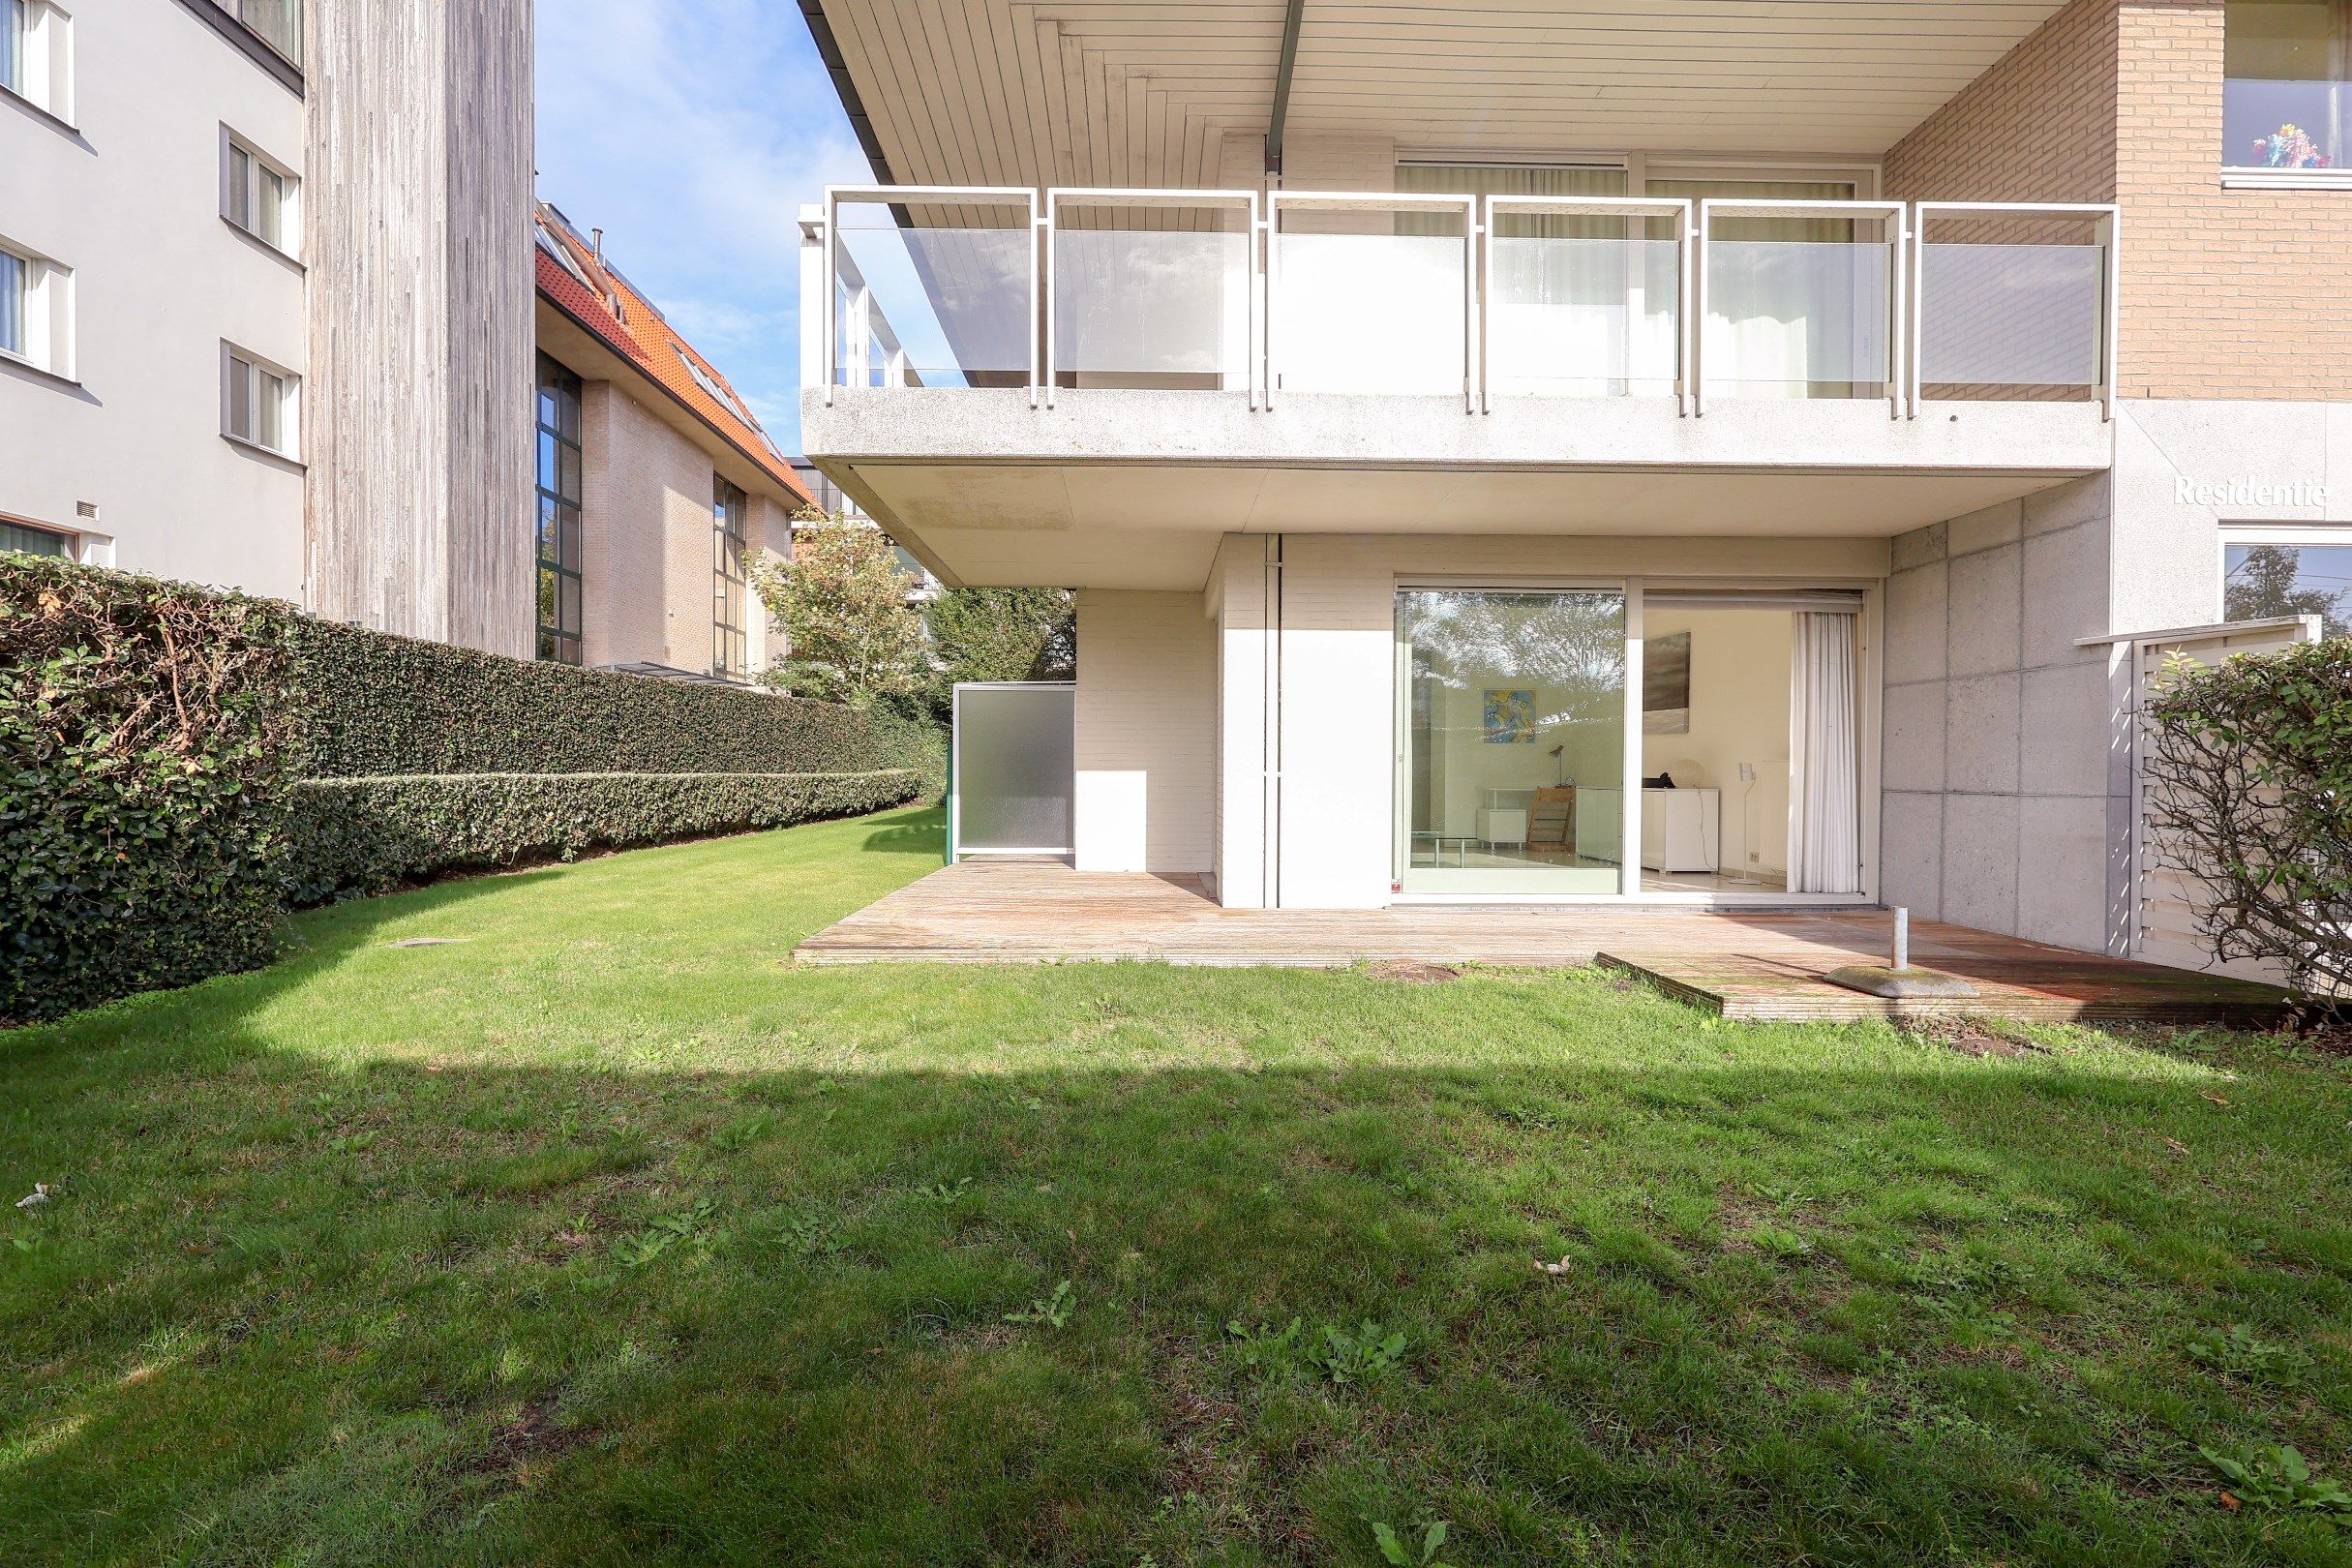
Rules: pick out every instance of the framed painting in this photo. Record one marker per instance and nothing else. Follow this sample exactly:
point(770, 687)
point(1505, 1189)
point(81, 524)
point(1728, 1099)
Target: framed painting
point(1666, 684)
point(1510, 718)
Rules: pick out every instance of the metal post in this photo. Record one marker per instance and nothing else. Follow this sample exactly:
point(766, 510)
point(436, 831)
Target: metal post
point(1902, 937)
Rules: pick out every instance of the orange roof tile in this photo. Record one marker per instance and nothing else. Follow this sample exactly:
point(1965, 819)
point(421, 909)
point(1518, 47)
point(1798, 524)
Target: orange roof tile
point(593, 292)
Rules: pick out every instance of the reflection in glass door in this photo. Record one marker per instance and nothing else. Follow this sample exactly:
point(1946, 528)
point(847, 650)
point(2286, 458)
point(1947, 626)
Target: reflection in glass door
point(1512, 740)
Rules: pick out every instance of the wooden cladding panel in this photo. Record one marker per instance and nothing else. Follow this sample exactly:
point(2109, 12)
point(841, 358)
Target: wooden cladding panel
point(421, 307)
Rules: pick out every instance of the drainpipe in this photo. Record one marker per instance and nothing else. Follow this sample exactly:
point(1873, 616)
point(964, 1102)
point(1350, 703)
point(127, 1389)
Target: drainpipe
point(1270, 800)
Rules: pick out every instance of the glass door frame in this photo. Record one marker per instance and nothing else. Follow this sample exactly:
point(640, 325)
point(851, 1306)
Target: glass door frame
point(1869, 676)
point(1629, 783)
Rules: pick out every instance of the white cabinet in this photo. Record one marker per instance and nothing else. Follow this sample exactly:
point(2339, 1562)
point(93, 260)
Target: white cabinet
point(1682, 830)
point(1502, 824)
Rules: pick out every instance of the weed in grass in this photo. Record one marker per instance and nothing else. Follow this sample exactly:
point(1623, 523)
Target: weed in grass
point(1359, 1356)
point(946, 1193)
point(1265, 1351)
point(1394, 1550)
point(1780, 1243)
point(2270, 1475)
point(800, 1233)
point(2239, 1352)
point(739, 1135)
point(666, 1232)
point(1054, 1312)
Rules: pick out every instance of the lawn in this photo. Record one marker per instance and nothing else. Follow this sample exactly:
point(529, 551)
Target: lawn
point(601, 1234)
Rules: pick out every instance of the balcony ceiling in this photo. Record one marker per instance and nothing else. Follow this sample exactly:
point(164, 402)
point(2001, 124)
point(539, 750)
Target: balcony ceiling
point(1129, 93)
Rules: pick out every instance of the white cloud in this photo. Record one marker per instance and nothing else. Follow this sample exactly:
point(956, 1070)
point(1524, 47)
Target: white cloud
point(692, 136)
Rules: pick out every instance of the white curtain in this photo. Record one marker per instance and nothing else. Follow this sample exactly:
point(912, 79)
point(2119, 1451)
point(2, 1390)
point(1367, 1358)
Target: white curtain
point(1824, 821)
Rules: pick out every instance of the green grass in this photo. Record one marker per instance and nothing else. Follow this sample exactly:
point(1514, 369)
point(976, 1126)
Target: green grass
point(603, 1235)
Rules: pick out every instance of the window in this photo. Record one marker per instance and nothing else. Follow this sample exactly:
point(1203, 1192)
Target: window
point(729, 652)
point(36, 311)
point(259, 403)
point(257, 195)
point(713, 385)
point(36, 55)
point(33, 541)
point(2285, 65)
point(558, 513)
point(276, 23)
point(2288, 571)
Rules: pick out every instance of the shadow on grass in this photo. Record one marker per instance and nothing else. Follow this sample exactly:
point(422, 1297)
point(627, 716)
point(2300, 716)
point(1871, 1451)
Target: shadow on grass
point(1869, 1309)
point(928, 836)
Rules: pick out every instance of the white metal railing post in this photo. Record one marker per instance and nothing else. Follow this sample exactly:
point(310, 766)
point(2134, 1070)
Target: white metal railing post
point(1037, 294)
point(1702, 336)
point(1486, 307)
point(831, 233)
point(2111, 309)
point(1047, 236)
point(1918, 333)
point(1473, 312)
point(1687, 329)
point(811, 291)
point(1274, 294)
point(1898, 384)
point(1253, 287)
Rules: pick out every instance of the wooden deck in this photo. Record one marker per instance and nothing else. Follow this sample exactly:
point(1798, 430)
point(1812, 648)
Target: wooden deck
point(1763, 965)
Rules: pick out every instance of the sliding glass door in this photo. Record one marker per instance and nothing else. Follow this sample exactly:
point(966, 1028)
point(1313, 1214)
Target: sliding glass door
point(1511, 762)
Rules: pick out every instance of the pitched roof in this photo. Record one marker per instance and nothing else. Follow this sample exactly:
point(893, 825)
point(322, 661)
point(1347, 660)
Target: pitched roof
point(591, 291)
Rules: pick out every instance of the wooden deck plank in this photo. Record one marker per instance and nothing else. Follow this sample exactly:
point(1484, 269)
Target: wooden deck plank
point(1755, 965)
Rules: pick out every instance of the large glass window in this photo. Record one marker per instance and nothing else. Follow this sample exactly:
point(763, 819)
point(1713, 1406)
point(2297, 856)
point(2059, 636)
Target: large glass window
point(2262, 579)
point(11, 45)
point(1513, 730)
point(2285, 65)
point(558, 513)
point(729, 506)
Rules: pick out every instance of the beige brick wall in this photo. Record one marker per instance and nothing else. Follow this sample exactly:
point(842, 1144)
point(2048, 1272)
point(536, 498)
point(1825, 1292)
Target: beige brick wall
point(2040, 126)
point(647, 584)
point(1146, 731)
point(2225, 293)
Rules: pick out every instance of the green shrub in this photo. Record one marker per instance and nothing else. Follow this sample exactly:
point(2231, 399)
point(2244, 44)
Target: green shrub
point(2250, 770)
point(380, 704)
point(144, 770)
point(364, 835)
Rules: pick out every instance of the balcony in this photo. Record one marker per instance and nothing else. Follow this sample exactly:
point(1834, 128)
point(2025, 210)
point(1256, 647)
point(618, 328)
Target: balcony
point(981, 358)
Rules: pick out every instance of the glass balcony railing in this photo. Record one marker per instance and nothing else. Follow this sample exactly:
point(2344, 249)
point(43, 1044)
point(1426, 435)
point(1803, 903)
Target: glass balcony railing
point(1485, 300)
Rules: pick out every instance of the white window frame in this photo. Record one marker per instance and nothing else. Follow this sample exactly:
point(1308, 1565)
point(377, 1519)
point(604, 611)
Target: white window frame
point(48, 313)
point(2306, 534)
point(47, 70)
point(257, 162)
point(237, 364)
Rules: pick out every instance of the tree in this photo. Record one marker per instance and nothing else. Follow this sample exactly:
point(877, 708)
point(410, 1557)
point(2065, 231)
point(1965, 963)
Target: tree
point(2249, 771)
point(999, 634)
point(841, 603)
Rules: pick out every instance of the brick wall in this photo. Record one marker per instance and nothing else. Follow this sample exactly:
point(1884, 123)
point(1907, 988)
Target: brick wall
point(2226, 293)
point(1146, 731)
point(648, 562)
point(2040, 126)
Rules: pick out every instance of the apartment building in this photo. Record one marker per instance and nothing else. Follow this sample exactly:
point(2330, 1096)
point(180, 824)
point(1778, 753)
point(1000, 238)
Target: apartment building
point(1707, 453)
point(655, 482)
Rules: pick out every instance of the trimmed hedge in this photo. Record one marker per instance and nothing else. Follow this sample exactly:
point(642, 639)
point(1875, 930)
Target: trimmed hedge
point(364, 835)
point(153, 734)
point(381, 706)
point(146, 759)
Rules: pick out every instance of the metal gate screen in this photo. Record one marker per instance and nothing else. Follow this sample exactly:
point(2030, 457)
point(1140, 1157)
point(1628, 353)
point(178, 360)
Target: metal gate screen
point(1014, 770)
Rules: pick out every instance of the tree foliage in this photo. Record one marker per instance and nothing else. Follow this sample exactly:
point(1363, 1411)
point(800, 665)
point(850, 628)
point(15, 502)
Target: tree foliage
point(2249, 770)
point(999, 634)
point(841, 602)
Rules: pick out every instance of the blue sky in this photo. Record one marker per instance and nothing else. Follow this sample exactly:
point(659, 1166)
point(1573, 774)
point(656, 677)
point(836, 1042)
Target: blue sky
point(691, 133)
